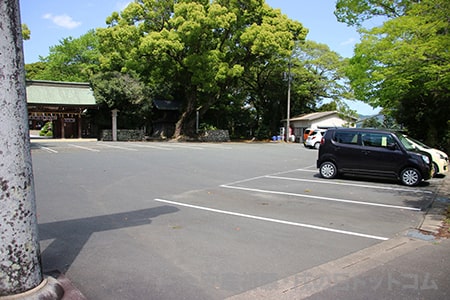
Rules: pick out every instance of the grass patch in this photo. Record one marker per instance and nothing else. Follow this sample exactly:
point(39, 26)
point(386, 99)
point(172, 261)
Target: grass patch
point(447, 216)
point(444, 231)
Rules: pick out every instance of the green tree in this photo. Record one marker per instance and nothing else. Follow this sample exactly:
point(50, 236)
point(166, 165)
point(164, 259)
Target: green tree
point(404, 67)
point(72, 60)
point(33, 70)
point(316, 74)
point(26, 33)
point(372, 122)
point(264, 90)
point(326, 79)
point(125, 92)
point(355, 12)
point(195, 51)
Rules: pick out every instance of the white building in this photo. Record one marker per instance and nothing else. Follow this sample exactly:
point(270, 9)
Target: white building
point(317, 120)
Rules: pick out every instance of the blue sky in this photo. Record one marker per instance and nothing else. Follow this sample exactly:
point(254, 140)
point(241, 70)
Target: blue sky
point(323, 27)
point(52, 20)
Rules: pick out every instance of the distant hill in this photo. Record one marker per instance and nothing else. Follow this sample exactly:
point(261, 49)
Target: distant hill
point(362, 118)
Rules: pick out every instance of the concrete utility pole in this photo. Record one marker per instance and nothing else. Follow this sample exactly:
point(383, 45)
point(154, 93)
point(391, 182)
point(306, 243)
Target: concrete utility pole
point(20, 267)
point(114, 124)
point(288, 113)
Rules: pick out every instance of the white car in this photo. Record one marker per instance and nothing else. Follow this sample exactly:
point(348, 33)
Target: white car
point(313, 140)
point(439, 158)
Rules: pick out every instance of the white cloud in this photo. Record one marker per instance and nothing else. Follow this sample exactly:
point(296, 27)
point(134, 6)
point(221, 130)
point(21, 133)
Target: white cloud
point(64, 21)
point(350, 41)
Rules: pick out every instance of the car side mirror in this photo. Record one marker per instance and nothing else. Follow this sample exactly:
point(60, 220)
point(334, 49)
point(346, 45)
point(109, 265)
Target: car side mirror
point(392, 146)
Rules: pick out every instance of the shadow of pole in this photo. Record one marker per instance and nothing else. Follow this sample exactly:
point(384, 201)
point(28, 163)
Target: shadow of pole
point(69, 237)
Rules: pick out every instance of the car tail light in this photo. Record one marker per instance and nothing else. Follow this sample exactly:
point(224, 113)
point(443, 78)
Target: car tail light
point(322, 141)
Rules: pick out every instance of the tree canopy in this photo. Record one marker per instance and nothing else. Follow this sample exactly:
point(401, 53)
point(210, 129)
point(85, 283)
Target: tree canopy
point(355, 12)
point(323, 78)
point(224, 60)
point(74, 59)
point(195, 51)
point(404, 64)
point(26, 33)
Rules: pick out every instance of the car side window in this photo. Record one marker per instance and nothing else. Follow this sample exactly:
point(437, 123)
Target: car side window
point(346, 137)
point(377, 139)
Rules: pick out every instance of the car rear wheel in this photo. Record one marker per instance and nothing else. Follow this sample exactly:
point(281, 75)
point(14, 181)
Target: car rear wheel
point(410, 177)
point(328, 170)
point(317, 145)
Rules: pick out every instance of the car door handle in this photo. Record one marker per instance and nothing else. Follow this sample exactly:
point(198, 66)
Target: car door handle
point(366, 152)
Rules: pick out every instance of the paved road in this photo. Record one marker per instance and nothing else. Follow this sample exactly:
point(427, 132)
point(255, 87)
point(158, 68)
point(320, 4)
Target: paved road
point(204, 221)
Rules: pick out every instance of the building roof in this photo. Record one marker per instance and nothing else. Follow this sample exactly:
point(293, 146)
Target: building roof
point(315, 116)
point(166, 104)
point(59, 93)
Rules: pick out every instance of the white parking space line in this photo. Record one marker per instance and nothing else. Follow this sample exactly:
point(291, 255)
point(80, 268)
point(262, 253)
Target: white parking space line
point(185, 146)
point(217, 146)
point(118, 147)
point(309, 226)
point(309, 167)
point(152, 147)
point(352, 184)
point(306, 170)
point(84, 148)
point(48, 149)
point(320, 198)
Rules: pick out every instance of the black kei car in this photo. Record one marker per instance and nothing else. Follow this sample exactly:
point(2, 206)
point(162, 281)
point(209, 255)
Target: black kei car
point(373, 153)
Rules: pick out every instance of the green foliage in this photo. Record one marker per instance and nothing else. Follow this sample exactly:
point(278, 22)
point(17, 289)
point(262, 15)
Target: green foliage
point(226, 59)
point(404, 67)
point(206, 127)
point(355, 12)
point(372, 122)
point(33, 70)
point(46, 130)
point(196, 51)
point(446, 141)
point(72, 60)
point(331, 106)
point(322, 77)
point(26, 33)
point(125, 92)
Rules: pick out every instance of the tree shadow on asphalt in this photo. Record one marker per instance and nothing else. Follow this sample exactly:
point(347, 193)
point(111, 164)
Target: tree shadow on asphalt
point(69, 237)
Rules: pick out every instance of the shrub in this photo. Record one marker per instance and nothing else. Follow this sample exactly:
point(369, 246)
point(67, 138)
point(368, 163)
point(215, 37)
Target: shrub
point(46, 130)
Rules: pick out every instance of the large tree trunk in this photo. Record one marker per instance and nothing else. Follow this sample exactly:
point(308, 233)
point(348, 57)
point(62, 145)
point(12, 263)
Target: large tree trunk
point(186, 123)
point(181, 127)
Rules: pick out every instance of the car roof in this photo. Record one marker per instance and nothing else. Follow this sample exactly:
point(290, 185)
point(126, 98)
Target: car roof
point(362, 129)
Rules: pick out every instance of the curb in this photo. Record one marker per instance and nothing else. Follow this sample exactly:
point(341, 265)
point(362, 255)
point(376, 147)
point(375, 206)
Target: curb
point(329, 275)
point(434, 216)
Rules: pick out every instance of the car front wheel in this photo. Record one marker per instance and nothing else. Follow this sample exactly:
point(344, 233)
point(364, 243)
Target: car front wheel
point(434, 170)
point(328, 170)
point(410, 177)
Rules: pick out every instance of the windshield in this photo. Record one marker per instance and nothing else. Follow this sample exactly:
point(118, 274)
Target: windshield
point(406, 143)
point(417, 142)
point(315, 132)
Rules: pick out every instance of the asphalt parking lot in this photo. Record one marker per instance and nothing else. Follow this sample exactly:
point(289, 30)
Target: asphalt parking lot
point(203, 221)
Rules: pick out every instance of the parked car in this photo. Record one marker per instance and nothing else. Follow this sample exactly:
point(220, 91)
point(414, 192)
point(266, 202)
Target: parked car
point(439, 158)
point(374, 153)
point(313, 140)
point(306, 133)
